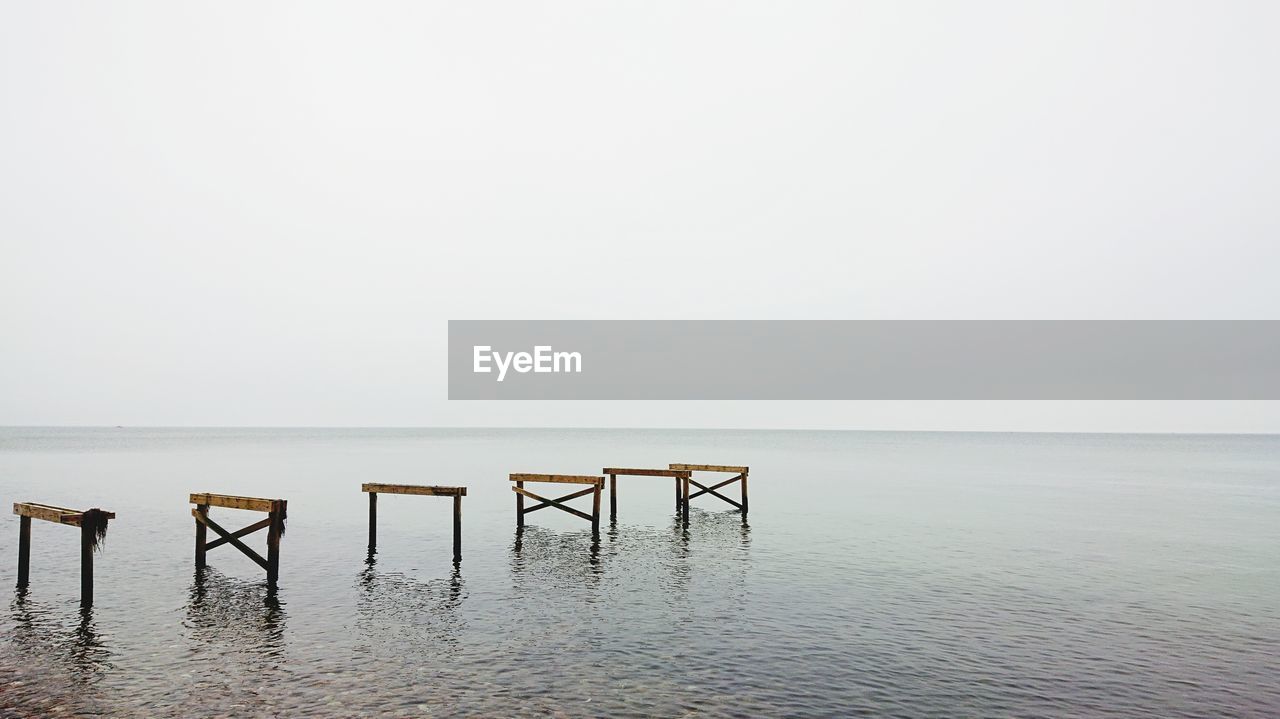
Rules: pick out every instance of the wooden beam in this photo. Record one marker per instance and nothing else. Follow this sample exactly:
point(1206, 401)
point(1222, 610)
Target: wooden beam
point(253, 504)
point(50, 513)
point(419, 489)
point(262, 524)
point(631, 472)
point(560, 478)
point(709, 468)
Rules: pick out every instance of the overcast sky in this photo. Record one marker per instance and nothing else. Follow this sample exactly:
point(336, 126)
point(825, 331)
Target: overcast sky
point(258, 213)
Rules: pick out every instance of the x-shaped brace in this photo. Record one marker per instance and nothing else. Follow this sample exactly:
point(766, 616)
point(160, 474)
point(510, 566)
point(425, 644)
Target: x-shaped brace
point(233, 538)
point(712, 489)
point(558, 502)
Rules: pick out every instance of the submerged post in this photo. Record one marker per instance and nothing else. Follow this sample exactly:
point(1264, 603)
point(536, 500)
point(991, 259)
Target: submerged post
point(613, 497)
point(87, 541)
point(24, 551)
point(373, 522)
point(274, 530)
point(519, 506)
point(457, 528)
point(200, 536)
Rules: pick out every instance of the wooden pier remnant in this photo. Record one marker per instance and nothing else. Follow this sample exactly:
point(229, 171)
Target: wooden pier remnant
point(597, 484)
point(93, 528)
point(374, 489)
point(614, 472)
point(740, 475)
point(274, 524)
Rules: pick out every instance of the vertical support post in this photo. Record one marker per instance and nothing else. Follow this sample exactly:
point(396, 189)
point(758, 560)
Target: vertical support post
point(373, 522)
point(684, 499)
point(457, 528)
point(24, 551)
point(595, 508)
point(678, 506)
point(203, 509)
point(613, 498)
point(273, 544)
point(744, 493)
point(519, 506)
point(86, 563)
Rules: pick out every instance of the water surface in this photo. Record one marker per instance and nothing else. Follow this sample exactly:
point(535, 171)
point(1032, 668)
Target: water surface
point(880, 574)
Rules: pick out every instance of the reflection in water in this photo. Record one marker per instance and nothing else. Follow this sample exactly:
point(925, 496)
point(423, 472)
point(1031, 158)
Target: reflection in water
point(57, 645)
point(246, 617)
point(555, 558)
point(405, 615)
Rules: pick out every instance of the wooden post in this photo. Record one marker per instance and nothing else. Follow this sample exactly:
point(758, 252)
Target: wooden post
point(86, 563)
point(595, 510)
point(457, 528)
point(684, 483)
point(273, 545)
point(24, 551)
point(613, 498)
point(744, 493)
point(200, 536)
point(519, 506)
point(678, 507)
point(373, 522)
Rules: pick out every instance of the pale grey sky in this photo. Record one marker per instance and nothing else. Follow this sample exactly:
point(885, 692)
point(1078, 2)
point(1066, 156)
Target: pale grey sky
point(263, 213)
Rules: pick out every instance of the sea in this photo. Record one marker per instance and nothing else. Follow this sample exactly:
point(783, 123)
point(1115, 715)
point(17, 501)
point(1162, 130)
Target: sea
point(879, 574)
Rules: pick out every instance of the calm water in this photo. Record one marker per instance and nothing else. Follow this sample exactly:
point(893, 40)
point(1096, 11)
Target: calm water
point(881, 574)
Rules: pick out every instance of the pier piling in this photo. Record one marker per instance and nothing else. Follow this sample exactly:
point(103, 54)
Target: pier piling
point(595, 488)
point(614, 472)
point(740, 475)
point(93, 528)
point(374, 489)
point(276, 510)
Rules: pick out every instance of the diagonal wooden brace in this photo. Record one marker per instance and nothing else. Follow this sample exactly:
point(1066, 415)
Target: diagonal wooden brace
point(712, 490)
point(557, 503)
point(240, 533)
point(229, 538)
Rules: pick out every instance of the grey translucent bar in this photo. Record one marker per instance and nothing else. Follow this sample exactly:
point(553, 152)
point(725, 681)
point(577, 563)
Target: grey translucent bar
point(821, 359)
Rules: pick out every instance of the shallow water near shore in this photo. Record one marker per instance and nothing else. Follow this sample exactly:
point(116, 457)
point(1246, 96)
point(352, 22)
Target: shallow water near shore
point(879, 574)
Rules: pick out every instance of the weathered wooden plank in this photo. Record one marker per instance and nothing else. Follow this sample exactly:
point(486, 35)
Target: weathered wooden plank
point(253, 504)
point(560, 478)
point(420, 489)
point(50, 513)
point(709, 468)
point(633, 472)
